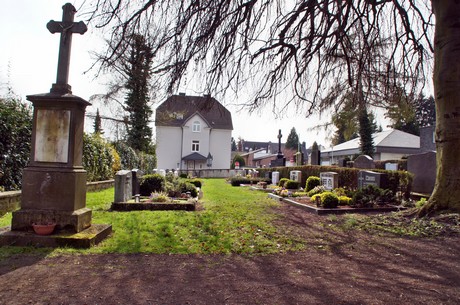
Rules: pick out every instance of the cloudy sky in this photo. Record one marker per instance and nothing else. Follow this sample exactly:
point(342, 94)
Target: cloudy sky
point(28, 62)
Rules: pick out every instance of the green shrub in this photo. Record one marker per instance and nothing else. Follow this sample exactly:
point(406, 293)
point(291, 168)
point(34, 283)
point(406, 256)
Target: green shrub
point(98, 158)
point(237, 181)
point(196, 182)
point(147, 162)
point(189, 187)
point(183, 175)
point(316, 190)
point(128, 156)
point(313, 198)
point(420, 203)
point(151, 184)
point(282, 182)
point(329, 200)
point(386, 197)
point(344, 200)
point(312, 182)
point(15, 137)
point(292, 184)
point(366, 197)
point(239, 159)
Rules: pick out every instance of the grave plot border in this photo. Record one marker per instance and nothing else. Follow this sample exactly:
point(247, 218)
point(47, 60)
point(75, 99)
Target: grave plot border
point(152, 206)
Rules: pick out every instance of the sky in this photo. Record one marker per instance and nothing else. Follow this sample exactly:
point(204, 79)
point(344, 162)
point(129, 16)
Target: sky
point(28, 64)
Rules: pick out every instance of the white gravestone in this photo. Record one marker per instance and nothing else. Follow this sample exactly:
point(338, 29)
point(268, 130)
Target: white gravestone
point(330, 180)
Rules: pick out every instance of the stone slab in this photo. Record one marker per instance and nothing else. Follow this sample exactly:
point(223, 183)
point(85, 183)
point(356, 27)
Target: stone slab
point(76, 221)
point(82, 240)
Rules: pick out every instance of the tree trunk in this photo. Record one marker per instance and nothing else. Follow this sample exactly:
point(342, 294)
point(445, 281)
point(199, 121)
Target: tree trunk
point(446, 79)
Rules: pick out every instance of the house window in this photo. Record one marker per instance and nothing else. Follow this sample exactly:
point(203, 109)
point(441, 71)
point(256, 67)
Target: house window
point(195, 145)
point(196, 126)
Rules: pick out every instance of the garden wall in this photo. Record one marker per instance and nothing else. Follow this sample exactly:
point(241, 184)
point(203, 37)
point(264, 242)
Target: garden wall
point(10, 201)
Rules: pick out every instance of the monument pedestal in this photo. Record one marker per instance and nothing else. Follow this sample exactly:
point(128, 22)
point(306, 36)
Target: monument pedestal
point(54, 182)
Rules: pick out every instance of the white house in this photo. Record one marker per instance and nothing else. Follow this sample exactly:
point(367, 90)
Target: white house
point(390, 144)
point(193, 132)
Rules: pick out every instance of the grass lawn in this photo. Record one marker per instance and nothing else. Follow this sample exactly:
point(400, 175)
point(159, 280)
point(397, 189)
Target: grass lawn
point(234, 220)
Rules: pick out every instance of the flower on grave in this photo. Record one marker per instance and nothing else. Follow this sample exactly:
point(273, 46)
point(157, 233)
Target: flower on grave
point(158, 197)
point(285, 193)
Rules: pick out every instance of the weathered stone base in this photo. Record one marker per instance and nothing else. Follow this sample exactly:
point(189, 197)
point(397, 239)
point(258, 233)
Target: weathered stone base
point(84, 239)
point(74, 221)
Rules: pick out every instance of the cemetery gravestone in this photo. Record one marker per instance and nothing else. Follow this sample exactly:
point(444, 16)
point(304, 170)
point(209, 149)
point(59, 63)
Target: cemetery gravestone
point(330, 180)
point(391, 166)
point(423, 166)
point(123, 186)
point(275, 178)
point(364, 161)
point(136, 175)
point(366, 178)
point(296, 176)
point(54, 182)
point(315, 156)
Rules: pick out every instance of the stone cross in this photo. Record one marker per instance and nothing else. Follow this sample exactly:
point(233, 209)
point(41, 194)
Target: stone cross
point(66, 27)
point(279, 143)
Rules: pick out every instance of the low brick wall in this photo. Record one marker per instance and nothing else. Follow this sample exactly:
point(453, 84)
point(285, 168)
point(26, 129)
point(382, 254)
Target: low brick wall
point(10, 201)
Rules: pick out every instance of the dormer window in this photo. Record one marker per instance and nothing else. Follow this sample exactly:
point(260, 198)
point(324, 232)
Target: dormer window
point(196, 127)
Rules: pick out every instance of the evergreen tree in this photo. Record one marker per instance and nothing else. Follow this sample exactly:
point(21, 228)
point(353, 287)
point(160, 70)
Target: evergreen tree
point(365, 133)
point(234, 147)
point(425, 111)
point(137, 98)
point(292, 141)
point(98, 123)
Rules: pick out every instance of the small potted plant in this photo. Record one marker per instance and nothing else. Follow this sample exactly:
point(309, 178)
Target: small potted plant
point(44, 228)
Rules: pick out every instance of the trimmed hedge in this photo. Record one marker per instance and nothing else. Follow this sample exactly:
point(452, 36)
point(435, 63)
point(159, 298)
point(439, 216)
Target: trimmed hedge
point(99, 158)
point(348, 177)
point(15, 136)
point(312, 182)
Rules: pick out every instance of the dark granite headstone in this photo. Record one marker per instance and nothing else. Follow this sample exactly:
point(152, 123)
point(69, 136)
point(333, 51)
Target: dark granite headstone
point(423, 166)
point(366, 178)
point(136, 177)
point(364, 161)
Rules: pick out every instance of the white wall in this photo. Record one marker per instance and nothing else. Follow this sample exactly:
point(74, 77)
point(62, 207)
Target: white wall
point(174, 143)
point(221, 149)
point(189, 136)
point(391, 156)
point(168, 147)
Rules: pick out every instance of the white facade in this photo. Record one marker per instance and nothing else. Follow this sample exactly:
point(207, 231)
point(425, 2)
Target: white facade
point(195, 136)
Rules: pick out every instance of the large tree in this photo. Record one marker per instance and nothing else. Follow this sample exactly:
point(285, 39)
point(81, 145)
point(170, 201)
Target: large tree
point(302, 49)
point(292, 140)
point(137, 97)
point(402, 112)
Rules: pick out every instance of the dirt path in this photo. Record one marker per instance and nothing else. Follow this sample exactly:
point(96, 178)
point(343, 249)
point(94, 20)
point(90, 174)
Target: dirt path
point(337, 268)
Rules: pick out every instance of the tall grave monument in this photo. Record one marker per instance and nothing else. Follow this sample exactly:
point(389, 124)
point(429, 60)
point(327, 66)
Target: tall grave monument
point(280, 159)
point(54, 182)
